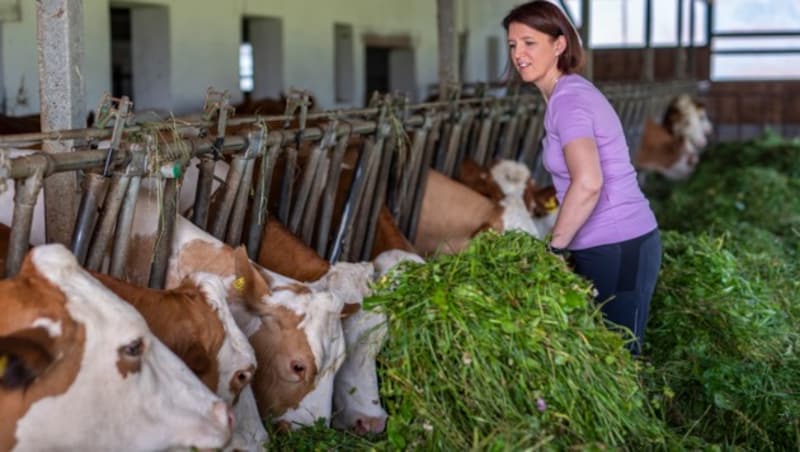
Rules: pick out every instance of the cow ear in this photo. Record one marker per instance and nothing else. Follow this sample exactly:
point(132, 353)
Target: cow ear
point(24, 356)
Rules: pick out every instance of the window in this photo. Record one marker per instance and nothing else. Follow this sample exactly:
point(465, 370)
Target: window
point(343, 62)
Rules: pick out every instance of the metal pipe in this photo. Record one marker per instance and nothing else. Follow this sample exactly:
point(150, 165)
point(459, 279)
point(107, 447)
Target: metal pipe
point(378, 200)
point(119, 255)
point(25, 197)
point(329, 201)
point(365, 197)
point(412, 172)
point(259, 217)
point(287, 185)
point(95, 189)
point(309, 219)
point(301, 201)
point(411, 231)
point(219, 223)
point(202, 200)
point(234, 237)
point(166, 233)
point(105, 228)
point(338, 246)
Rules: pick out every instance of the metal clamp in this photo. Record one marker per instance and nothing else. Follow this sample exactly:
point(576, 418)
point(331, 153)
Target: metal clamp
point(217, 102)
point(105, 112)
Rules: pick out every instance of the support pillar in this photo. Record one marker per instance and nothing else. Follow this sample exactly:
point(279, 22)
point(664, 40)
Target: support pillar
point(446, 20)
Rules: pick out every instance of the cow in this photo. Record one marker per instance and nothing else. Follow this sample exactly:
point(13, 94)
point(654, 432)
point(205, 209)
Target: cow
point(194, 321)
point(507, 181)
point(453, 213)
point(673, 157)
point(295, 332)
point(356, 400)
point(80, 370)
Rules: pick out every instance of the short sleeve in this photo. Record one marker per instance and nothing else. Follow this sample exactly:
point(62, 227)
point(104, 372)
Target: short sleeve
point(572, 119)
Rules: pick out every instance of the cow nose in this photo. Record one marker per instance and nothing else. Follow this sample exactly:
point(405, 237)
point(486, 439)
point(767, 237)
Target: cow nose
point(369, 424)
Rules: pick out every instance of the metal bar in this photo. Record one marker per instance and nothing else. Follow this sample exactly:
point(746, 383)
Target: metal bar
point(105, 228)
point(378, 200)
point(95, 189)
point(585, 33)
point(234, 236)
point(338, 247)
point(301, 201)
point(756, 51)
point(119, 255)
point(166, 232)
point(219, 223)
point(309, 219)
point(451, 150)
point(648, 75)
point(259, 217)
point(680, 55)
point(287, 185)
point(691, 40)
point(202, 199)
point(367, 193)
point(509, 133)
point(413, 220)
point(328, 204)
point(481, 149)
point(754, 34)
point(25, 197)
point(412, 175)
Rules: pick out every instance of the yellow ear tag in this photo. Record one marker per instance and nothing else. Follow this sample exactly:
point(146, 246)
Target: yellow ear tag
point(3, 364)
point(239, 283)
point(551, 203)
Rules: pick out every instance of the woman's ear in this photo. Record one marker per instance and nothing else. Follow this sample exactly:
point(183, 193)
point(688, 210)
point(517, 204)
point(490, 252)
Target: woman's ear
point(560, 45)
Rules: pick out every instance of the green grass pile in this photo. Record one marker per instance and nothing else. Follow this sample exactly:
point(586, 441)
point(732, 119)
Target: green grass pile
point(500, 348)
point(727, 352)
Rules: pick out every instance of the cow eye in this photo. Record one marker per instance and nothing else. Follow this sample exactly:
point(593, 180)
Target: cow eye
point(134, 349)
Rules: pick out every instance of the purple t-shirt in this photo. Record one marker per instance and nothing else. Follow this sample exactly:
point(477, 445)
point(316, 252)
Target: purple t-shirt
point(579, 110)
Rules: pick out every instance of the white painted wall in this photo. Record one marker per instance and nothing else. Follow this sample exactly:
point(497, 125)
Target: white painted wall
point(204, 40)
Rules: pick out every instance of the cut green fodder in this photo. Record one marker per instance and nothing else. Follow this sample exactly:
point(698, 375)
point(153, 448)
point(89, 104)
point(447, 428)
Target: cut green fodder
point(501, 348)
point(726, 351)
point(319, 438)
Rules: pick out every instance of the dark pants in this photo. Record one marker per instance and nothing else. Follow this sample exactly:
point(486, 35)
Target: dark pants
point(624, 275)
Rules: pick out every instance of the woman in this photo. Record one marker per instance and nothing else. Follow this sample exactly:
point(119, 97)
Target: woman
point(605, 222)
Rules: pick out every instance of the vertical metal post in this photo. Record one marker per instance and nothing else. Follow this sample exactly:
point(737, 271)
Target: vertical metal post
point(585, 32)
point(119, 255)
point(166, 232)
point(202, 200)
point(680, 51)
point(692, 74)
point(448, 72)
point(648, 75)
point(105, 229)
point(63, 103)
point(25, 194)
point(94, 195)
point(709, 33)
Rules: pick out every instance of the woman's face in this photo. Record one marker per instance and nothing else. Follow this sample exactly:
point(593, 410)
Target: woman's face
point(534, 54)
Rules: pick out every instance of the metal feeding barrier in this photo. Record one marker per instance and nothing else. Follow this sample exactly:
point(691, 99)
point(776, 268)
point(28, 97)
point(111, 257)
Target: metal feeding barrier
point(325, 175)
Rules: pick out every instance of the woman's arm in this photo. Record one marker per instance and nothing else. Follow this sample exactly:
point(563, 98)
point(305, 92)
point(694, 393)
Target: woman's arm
point(583, 163)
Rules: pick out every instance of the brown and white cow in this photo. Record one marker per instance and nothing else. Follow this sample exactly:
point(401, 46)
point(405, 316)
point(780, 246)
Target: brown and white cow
point(661, 152)
point(195, 322)
point(80, 370)
point(506, 180)
point(295, 332)
point(453, 213)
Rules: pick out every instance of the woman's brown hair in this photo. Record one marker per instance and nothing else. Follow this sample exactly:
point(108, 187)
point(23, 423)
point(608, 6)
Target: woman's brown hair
point(547, 18)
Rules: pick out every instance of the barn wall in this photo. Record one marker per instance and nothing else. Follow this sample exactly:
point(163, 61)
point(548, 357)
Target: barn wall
point(204, 41)
point(741, 110)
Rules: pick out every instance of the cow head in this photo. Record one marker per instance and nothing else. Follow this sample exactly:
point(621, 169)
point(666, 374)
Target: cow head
point(684, 120)
point(235, 357)
point(83, 371)
point(356, 398)
point(298, 340)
